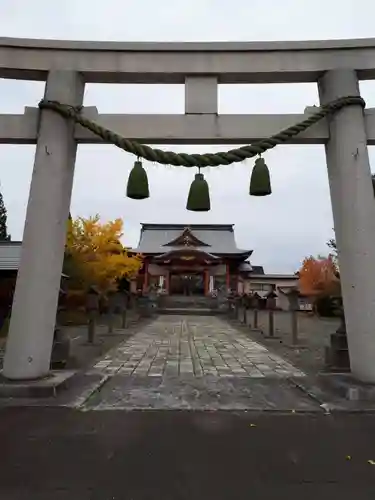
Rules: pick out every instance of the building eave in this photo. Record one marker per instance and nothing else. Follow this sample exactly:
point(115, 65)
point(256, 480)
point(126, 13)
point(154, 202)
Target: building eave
point(180, 252)
point(285, 290)
point(239, 256)
point(273, 276)
point(214, 227)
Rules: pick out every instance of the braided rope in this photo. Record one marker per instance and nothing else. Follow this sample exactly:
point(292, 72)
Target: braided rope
point(199, 160)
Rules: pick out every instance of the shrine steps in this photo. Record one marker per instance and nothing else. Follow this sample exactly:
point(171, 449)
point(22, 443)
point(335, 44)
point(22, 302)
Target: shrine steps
point(189, 305)
point(190, 311)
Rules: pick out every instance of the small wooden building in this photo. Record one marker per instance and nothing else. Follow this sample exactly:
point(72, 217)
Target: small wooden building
point(10, 255)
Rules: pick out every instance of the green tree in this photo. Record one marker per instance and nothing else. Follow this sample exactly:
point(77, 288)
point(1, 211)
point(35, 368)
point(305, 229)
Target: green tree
point(332, 245)
point(4, 236)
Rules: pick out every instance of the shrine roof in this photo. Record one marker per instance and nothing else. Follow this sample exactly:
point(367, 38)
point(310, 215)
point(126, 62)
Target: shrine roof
point(211, 238)
point(10, 256)
point(257, 269)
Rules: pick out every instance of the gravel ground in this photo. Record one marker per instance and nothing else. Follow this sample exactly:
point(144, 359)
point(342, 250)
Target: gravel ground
point(314, 334)
point(83, 354)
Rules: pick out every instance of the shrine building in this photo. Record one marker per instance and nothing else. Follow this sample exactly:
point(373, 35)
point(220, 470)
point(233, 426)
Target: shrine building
point(198, 259)
point(180, 260)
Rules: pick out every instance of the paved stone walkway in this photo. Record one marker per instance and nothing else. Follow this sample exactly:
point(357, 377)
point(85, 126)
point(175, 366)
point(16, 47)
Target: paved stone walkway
point(194, 363)
point(174, 346)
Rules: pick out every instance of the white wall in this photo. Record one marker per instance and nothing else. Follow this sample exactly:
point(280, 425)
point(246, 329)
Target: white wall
point(156, 270)
point(219, 270)
point(264, 285)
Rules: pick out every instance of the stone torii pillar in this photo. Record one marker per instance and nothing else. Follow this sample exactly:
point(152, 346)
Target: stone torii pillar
point(353, 207)
point(29, 344)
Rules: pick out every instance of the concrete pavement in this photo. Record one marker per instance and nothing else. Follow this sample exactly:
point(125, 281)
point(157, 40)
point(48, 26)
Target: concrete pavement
point(276, 442)
point(64, 454)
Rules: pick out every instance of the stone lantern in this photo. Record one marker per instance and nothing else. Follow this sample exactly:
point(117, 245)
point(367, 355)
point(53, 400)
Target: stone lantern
point(255, 298)
point(337, 353)
point(271, 306)
point(255, 305)
point(92, 309)
point(246, 304)
point(293, 298)
point(271, 299)
point(61, 341)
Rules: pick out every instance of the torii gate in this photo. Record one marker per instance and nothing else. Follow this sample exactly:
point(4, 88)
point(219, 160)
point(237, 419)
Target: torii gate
point(66, 66)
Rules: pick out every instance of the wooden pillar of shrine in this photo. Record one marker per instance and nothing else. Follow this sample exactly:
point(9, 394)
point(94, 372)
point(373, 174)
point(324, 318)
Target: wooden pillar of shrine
point(206, 281)
point(145, 279)
point(227, 276)
point(167, 281)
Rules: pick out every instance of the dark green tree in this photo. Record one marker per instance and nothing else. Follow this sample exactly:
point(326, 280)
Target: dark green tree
point(4, 236)
point(332, 245)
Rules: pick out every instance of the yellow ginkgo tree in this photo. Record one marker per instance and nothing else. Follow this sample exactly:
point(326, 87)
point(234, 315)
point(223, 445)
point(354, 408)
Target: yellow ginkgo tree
point(95, 256)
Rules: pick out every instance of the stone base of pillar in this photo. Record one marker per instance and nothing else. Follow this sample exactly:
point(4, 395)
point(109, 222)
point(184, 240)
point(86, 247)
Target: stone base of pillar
point(337, 354)
point(60, 350)
point(344, 385)
point(45, 387)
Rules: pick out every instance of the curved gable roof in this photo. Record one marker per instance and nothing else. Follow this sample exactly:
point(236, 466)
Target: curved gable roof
point(219, 237)
point(187, 238)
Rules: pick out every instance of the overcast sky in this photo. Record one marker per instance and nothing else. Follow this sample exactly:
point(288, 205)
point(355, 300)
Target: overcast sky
point(281, 229)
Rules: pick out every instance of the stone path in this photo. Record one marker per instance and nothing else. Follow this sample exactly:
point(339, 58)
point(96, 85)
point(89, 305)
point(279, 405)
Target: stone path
point(194, 363)
point(174, 346)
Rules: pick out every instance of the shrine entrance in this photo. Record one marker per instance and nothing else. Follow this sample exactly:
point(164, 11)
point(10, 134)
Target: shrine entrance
point(188, 284)
point(187, 269)
point(340, 123)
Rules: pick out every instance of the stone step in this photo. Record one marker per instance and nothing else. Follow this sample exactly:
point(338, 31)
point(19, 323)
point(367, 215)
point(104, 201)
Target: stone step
point(190, 311)
point(188, 302)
